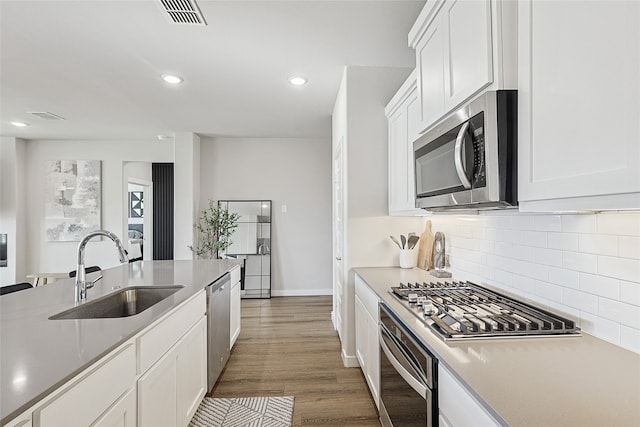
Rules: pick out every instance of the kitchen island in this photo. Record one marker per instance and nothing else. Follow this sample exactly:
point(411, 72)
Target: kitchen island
point(549, 381)
point(38, 355)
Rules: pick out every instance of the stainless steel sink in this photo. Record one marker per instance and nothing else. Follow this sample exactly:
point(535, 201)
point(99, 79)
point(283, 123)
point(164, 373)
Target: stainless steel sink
point(124, 303)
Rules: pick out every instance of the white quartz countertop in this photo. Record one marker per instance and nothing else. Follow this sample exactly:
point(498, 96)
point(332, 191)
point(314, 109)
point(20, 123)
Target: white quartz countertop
point(556, 381)
point(38, 355)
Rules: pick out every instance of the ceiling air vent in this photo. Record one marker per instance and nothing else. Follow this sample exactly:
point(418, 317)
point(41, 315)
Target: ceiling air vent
point(182, 12)
point(46, 115)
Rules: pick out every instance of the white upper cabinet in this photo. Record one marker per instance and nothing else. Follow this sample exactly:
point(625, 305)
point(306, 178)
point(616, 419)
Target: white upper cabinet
point(462, 48)
point(579, 105)
point(403, 115)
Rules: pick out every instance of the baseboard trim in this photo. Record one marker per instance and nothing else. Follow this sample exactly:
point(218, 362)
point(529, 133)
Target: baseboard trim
point(349, 361)
point(301, 292)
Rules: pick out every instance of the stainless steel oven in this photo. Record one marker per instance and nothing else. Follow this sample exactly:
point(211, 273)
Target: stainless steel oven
point(408, 384)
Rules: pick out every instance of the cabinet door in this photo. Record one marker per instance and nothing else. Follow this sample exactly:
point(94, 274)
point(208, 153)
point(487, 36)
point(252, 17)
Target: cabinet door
point(578, 106)
point(235, 314)
point(431, 80)
point(192, 372)
point(373, 358)
point(157, 394)
point(86, 400)
point(361, 334)
point(398, 183)
point(457, 407)
point(467, 56)
point(121, 414)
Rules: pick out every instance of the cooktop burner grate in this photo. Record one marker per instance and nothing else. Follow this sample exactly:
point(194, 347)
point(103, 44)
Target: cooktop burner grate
point(463, 310)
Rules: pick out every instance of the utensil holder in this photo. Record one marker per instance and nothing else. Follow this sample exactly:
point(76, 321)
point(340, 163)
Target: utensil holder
point(407, 258)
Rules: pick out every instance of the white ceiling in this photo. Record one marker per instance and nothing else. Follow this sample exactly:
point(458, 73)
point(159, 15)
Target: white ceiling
point(98, 65)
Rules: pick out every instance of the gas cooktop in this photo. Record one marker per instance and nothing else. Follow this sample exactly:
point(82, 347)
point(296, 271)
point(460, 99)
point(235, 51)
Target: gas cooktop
point(463, 310)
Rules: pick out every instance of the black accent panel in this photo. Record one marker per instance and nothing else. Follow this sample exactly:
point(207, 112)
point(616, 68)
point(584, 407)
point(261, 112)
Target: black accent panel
point(162, 176)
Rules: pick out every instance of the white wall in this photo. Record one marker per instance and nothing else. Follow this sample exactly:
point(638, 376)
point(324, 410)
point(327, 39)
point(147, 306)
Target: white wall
point(186, 187)
point(586, 266)
point(13, 199)
point(291, 172)
point(359, 120)
point(49, 257)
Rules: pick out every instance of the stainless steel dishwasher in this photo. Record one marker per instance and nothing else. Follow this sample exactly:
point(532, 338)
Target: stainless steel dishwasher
point(218, 301)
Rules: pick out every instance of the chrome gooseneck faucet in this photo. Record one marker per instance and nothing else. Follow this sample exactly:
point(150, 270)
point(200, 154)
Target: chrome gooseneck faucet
point(80, 290)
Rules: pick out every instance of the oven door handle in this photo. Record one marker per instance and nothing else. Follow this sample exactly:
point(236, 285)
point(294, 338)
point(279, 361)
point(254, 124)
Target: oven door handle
point(419, 388)
point(462, 173)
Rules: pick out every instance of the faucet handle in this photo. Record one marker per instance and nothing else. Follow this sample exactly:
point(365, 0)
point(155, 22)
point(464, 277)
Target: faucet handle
point(93, 282)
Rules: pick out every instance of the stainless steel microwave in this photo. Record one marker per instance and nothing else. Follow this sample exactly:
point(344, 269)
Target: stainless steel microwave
point(469, 160)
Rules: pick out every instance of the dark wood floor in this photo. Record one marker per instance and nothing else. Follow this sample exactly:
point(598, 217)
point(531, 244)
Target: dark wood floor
point(288, 347)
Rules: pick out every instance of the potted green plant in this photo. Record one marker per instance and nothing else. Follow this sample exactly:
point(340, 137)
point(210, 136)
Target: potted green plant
point(215, 227)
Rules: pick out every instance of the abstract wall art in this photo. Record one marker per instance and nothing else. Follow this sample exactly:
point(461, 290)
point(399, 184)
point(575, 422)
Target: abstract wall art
point(72, 199)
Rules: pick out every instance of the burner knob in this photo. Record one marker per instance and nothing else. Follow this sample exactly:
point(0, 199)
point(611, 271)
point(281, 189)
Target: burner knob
point(429, 308)
point(413, 298)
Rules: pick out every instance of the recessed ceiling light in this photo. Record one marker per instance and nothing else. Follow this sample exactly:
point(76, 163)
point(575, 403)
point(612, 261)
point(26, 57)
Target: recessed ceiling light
point(172, 79)
point(298, 80)
point(20, 124)
point(164, 137)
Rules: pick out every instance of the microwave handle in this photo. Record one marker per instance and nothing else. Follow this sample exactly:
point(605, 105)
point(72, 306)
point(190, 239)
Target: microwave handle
point(462, 174)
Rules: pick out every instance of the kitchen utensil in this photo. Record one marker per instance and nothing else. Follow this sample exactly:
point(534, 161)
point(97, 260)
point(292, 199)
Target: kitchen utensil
point(425, 248)
point(439, 260)
point(403, 240)
point(411, 243)
point(395, 241)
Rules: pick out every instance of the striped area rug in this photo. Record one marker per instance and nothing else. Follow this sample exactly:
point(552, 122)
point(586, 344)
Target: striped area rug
point(244, 412)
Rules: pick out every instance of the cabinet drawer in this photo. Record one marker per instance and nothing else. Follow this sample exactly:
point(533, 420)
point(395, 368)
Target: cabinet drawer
point(159, 339)
point(87, 399)
point(368, 298)
point(235, 275)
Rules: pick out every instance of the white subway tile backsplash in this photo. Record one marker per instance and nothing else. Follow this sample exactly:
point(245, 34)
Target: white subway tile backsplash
point(630, 338)
point(598, 285)
point(630, 292)
point(550, 292)
point(579, 223)
point(563, 241)
point(580, 262)
point(621, 312)
point(580, 300)
point(583, 266)
point(486, 246)
point(547, 223)
point(503, 277)
point(522, 222)
point(565, 278)
point(629, 247)
point(550, 257)
point(599, 326)
point(534, 238)
point(524, 253)
point(620, 268)
point(623, 224)
point(598, 244)
point(525, 284)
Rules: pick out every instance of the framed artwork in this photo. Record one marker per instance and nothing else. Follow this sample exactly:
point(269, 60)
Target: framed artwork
point(73, 194)
point(136, 204)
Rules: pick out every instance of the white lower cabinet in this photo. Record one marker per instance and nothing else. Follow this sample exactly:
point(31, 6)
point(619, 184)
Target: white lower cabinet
point(91, 398)
point(121, 414)
point(367, 344)
point(234, 309)
point(171, 390)
point(192, 371)
point(457, 407)
point(157, 378)
point(157, 394)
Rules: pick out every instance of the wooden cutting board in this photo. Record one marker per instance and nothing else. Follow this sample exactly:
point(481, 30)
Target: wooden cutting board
point(425, 248)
